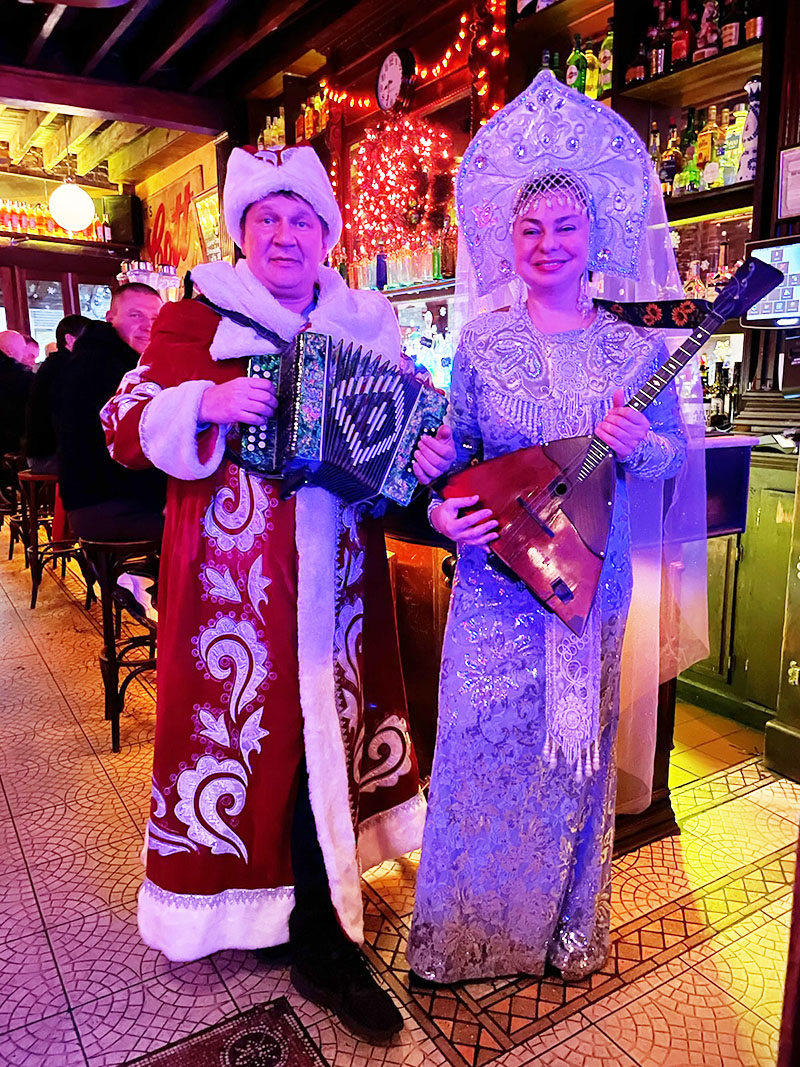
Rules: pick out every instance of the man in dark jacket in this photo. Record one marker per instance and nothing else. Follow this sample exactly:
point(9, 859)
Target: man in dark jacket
point(105, 501)
point(42, 416)
point(16, 380)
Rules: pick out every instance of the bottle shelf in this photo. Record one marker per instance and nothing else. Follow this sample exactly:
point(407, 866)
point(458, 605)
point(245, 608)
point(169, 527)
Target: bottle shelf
point(587, 17)
point(422, 290)
point(710, 79)
point(33, 239)
point(728, 198)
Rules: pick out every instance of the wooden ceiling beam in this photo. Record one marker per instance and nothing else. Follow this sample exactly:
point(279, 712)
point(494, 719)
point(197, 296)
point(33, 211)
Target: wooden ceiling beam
point(51, 20)
point(109, 40)
point(150, 153)
point(23, 88)
point(243, 39)
point(70, 136)
point(196, 18)
point(104, 144)
point(25, 134)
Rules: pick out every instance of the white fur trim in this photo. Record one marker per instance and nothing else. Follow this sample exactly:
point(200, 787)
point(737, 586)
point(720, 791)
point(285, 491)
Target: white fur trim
point(250, 177)
point(187, 927)
point(326, 759)
point(391, 833)
point(168, 432)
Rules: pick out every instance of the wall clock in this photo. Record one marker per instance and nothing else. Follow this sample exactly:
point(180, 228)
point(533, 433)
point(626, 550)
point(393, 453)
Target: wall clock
point(396, 80)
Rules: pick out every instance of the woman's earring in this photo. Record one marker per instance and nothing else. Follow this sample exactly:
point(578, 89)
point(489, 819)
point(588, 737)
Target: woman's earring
point(585, 303)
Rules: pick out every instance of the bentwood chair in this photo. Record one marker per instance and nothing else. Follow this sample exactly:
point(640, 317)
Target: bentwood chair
point(122, 654)
point(38, 502)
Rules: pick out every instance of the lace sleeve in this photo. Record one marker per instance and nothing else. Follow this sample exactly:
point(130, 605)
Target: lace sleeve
point(663, 451)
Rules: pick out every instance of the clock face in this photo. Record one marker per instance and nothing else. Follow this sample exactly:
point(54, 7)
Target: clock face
point(390, 81)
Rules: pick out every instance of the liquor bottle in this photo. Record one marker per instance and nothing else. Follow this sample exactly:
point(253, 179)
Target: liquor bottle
point(308, 122)
point(689, 131)
point(555, 66)
point(683, 38)
point(659, 54)
point(636, 71)
point(14, 223)
point(746, 170)
point(671, 161)
point(730, 24)
point(733, 144)
point(606, 58)
point(300, 126)
point(280, 131)
point(592, 89)
point(106, 229)
point(717, 281)
point(694, 286)
point(712, 175)
point(753, 20)
point(654, 147)
point(707, 139)
point(708, 34)
point(576, 67)
point(5, 217)
point(690, 174)
point(545, 61)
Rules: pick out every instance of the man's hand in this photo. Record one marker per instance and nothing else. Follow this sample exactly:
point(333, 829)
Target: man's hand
point(248, 400)
point(622, 428)
point(476, 528)
point(434, 455)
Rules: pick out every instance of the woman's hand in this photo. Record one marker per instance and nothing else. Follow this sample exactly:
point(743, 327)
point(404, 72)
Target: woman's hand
point(623, 428)
point(476, 528)
point(248, 400)
point(434, 455)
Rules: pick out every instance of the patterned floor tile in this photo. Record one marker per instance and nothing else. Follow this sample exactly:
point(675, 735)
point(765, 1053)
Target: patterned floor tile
point(142, 1018)
point(781, 797)
point(10, 848)
point(19, 912)
point(52, 1042)
point(49, 833)
point(31, 783)
point(82, 883)
point(741, 829)
point(533, 1050)
point(753, 970)
point(30, 983)
point(781, 909)
point(395, 882)
point(690, 1021)
point(590, 1048)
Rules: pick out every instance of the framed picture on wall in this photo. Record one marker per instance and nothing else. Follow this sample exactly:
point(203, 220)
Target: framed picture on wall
point(789, 183)
point(214, 238)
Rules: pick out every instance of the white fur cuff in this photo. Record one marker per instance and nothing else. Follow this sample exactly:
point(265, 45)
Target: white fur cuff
point(168, 432)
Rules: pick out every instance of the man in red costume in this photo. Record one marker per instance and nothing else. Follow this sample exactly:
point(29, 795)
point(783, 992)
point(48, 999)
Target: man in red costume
point(283, 765)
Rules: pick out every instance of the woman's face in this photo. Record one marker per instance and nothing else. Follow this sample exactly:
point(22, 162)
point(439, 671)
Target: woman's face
point(551, 246)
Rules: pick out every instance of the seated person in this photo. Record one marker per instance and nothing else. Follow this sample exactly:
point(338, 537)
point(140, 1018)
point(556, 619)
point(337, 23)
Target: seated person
point(41, 417)
point(15, 385)
point(104, 500)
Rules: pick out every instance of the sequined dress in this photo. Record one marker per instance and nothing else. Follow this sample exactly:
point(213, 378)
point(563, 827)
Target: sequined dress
point(516, 858)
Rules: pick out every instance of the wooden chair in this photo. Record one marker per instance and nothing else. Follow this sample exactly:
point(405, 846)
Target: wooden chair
point(37, 501)
point(108, 560)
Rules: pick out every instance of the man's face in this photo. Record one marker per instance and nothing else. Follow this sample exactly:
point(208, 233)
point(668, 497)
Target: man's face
point(132, 315)
point(284, 244)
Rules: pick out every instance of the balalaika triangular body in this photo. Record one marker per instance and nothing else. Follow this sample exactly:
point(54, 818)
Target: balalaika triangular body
point(554, 502)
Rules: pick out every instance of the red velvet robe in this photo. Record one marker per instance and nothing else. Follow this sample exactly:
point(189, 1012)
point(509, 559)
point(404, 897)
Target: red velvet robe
point(276, 638)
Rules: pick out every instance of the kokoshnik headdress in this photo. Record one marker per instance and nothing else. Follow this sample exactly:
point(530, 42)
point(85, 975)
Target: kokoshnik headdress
point(552, 129)
point(554, 143)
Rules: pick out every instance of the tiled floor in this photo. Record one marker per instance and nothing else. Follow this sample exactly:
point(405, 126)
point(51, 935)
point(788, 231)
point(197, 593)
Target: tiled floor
point(700, 921)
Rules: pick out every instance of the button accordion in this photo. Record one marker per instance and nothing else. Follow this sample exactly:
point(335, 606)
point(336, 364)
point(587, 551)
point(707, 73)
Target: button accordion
point(347, 421)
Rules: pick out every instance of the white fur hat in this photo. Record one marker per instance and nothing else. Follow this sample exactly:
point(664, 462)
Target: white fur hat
point(297, 169)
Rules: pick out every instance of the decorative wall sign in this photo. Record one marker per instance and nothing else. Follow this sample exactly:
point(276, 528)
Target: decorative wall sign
point(789, 184)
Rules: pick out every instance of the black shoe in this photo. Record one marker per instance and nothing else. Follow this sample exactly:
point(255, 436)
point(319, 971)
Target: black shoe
point(275, 955)
point(341, 982)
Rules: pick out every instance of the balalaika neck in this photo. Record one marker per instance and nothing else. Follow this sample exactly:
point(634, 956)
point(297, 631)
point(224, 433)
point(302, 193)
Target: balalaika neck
point(667, 372)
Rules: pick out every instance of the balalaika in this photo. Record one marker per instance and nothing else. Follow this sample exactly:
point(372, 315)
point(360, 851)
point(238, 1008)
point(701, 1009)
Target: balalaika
point(553, 502)
point(347, 421)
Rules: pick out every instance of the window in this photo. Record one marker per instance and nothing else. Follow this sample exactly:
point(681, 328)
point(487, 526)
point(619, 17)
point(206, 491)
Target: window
point(45, 309)
point(95, 300)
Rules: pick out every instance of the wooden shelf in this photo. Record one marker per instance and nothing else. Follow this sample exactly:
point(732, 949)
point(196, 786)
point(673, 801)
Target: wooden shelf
point(710, 79)
point(31, 240)
point(565, 17)
point(728, 198)
point(423, 290)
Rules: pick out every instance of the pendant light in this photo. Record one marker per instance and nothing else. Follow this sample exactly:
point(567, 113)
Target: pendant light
point(71, 206)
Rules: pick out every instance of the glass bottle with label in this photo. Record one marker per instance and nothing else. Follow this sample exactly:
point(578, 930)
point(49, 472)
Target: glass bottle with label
point(555, 66)
point(636, 71)
point(753, 20)
point(576, 67)
point(545, 61)
point(660, 46)
point(654, 147)
point(606, 58)
point(682, 44)
point(712, 175)
point(592, 89)
point(690, 174)
point(707, 139)
point(671, 162)
point(730, 24)
point(689, 131)
point(308, 116)
point(733, 144)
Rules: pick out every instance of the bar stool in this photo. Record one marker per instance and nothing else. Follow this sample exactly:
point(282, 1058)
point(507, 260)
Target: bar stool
point(37, 500)
point(12, 463)
point(108, 560)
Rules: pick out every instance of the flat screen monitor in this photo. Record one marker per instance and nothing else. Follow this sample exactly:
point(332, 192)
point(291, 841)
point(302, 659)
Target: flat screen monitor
point(780, 308)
